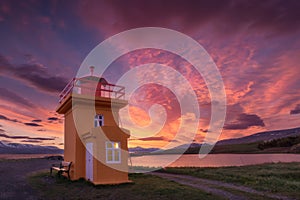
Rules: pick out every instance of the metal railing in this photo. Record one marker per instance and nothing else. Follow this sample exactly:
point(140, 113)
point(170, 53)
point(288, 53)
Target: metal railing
point(102, 90)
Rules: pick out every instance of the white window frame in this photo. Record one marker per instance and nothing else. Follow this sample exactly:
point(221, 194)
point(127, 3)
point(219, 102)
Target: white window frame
point(77, 87)
point(115, 147)
point(99, 120)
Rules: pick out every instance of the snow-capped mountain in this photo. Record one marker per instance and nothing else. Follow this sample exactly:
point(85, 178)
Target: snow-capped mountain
point(17, 148)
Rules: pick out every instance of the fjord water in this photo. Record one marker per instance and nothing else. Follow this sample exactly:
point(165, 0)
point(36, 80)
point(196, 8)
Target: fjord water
point(190, 160)
point(211, 160)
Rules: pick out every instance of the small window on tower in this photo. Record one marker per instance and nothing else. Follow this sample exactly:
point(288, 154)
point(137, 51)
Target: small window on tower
point(99, 120)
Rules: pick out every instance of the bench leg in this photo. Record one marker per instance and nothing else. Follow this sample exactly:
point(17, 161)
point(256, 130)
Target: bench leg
point(51, 171)
point(69, 175)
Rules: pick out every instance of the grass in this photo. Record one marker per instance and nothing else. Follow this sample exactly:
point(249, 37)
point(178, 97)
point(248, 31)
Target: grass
point(280, 178)
point(274, 146)
point(237, 148)
point(244, 148)
point(143, 187)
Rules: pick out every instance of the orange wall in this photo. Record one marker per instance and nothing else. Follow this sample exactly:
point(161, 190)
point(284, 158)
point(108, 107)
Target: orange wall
point(75, 150)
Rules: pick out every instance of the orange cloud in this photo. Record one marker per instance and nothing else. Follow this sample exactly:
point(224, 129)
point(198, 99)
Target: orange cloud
point(139, 116)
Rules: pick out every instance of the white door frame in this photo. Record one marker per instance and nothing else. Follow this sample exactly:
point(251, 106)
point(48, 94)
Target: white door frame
point(89, 161)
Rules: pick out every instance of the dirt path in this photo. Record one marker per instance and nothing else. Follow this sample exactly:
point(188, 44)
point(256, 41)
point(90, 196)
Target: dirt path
point(216, 187)
point(13, 174)
point(14, 185)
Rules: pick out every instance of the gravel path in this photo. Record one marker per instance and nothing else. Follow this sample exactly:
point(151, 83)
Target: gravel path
point(13, 175)
point(213, 187)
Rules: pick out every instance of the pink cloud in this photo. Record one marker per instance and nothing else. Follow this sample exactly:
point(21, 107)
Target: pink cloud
point(255, 46)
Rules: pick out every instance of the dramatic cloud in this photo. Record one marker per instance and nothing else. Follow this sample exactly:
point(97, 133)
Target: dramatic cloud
point(161, 138)
point(245, 121)
point(25, 137)
point(36, 120)
point(13, 97)
point(53, 118)
point(31, 141)
point(296, 110)
point(8, 119)
point(32, 124)
point(225, 16)
point(255, 45)
point(204, 130)
point(36, 75)
point(4, 117)
point(26, 123)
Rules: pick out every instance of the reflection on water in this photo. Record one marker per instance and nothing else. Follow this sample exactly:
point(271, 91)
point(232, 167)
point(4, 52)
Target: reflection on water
point(191, 160)
point(212, 160)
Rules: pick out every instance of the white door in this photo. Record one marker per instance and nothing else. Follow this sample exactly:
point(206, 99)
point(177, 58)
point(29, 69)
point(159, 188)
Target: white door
point(89, 161)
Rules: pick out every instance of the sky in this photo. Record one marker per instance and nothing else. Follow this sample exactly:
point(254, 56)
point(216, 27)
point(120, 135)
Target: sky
point(255, 45)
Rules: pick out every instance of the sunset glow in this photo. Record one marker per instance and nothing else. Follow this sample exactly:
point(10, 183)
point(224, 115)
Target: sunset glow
point(254, 44)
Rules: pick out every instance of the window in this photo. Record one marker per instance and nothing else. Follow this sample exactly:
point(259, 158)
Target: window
point(77, 87)
point(113, 152)
point(99, 120)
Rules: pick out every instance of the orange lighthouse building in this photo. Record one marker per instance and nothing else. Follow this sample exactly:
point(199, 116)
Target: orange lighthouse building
point(93, 140)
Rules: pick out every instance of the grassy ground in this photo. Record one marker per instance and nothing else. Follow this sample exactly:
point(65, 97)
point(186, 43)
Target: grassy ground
point(244, 148)
point(143, 187)
point(253, 148)
point(281, 178)
point(237, 148)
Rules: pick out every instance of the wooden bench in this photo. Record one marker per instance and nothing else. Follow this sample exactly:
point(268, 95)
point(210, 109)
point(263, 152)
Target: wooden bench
point(64, 167)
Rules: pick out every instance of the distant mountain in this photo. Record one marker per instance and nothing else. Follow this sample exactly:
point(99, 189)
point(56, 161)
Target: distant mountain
point(262, 136)
point(17, 148)
point(247, 144)
point(141, 150)
point(185, 146)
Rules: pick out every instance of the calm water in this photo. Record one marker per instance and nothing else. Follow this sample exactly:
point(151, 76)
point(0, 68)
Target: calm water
point(212, 160)
point(193, 160)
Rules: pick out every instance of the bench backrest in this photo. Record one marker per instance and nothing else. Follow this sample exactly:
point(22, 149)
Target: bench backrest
point(65, 164)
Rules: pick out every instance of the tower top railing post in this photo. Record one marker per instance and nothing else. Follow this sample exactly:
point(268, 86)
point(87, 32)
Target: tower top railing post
point(86, 86)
